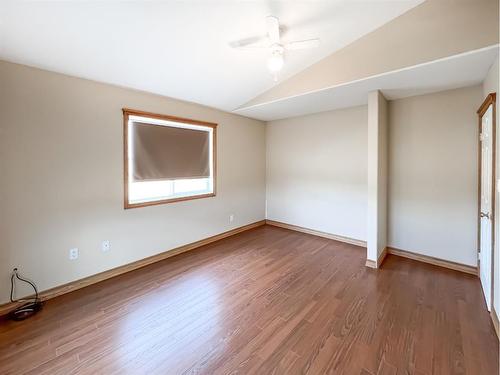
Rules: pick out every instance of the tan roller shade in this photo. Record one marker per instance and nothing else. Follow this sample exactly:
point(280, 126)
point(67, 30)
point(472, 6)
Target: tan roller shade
point(169, 153)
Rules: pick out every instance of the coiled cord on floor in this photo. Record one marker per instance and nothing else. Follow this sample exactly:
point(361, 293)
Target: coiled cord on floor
point(32, 305)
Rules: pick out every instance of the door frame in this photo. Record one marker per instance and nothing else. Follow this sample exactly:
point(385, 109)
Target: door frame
point(490, 100)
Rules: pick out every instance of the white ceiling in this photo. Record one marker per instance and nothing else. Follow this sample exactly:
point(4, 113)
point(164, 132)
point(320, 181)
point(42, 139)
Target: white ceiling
point(449, 73)
point(180, 48)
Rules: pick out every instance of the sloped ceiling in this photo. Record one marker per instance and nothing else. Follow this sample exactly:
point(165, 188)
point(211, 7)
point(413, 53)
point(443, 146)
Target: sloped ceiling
point(434, 30)
point(457, 71)
point(180, 48)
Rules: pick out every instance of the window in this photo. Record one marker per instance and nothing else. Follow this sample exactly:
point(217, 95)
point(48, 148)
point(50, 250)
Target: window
point(167, 159)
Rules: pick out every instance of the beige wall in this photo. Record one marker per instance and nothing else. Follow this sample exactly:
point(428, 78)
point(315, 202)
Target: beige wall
point(61, 168)
point(433, 174)
point(317, 171)
point(432, 30)
point(317, 178)
point(490, 85)
point(378, 131)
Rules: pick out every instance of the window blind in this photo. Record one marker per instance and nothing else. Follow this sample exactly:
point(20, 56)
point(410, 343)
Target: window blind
point(169, 153)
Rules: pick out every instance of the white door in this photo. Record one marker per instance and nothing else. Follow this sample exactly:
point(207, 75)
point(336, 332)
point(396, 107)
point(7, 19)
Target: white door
point(486, 212)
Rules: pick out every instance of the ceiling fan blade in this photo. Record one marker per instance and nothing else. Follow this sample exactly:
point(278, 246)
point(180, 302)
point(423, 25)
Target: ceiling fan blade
point(273, 29)
point(302, 44)
point(250, 43)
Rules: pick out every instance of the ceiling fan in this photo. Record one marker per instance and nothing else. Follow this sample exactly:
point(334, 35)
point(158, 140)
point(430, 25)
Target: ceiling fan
point(273, 43)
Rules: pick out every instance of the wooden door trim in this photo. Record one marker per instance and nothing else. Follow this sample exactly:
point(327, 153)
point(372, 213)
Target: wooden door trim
point(490, 100)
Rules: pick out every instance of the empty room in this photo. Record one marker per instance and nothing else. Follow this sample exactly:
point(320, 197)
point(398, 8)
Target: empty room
point(249, 187)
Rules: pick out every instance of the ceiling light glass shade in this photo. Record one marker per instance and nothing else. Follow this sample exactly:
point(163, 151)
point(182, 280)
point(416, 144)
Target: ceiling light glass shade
point(275, 62)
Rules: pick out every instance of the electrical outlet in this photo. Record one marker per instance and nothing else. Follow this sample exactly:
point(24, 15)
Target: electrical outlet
point(73, 253)
point(231, 218)
point(105, 246)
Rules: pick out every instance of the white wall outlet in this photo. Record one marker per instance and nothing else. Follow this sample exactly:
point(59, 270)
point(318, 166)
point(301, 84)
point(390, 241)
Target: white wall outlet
point(73, 253)
point(231, 218)
point(105, 246)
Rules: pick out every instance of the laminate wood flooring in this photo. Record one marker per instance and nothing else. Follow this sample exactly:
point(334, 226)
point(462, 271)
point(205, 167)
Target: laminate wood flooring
point(266, 301)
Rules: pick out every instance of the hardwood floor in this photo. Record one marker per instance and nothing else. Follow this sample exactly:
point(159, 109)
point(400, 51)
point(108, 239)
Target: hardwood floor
point(267, 301)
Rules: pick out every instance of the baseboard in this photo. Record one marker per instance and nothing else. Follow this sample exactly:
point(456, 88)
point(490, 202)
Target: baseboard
point(377, 264)
point(381, 257)
point(431, 260)
point(330, 236)
point(82, 283)
point(388, 250)
point(494, 319)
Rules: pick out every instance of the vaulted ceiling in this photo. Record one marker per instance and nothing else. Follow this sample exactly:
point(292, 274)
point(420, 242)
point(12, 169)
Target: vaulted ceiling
point(438, 45)
point(181, 49)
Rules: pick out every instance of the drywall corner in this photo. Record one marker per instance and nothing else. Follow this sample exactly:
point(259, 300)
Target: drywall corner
point(377, 176)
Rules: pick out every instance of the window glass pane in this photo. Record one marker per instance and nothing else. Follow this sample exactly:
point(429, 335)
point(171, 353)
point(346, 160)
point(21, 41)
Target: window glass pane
point(147, 191)
point(150, 190)
point(192, 185)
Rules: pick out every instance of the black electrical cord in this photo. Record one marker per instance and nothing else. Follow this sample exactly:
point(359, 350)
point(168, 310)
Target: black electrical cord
point(32, 305)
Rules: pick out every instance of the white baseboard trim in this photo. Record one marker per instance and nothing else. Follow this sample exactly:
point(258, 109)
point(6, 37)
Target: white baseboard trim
point(376, 264)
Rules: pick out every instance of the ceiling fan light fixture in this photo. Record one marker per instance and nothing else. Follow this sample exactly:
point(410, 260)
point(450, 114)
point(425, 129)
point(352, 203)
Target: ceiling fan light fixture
point(275, 62)
point(273, 43)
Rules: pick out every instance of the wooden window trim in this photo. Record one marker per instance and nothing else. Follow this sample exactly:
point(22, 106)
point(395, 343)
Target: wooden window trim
point(127, 112)
point(490, 100)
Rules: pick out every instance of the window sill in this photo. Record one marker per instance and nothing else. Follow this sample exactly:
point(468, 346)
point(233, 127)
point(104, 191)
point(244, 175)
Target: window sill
point(165, 201)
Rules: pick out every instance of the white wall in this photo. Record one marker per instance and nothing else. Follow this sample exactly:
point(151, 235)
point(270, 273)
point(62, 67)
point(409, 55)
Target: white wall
point(490, 85)
point(317, 171)
point(433, 174)
point(61, 168)
point(377, 175)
